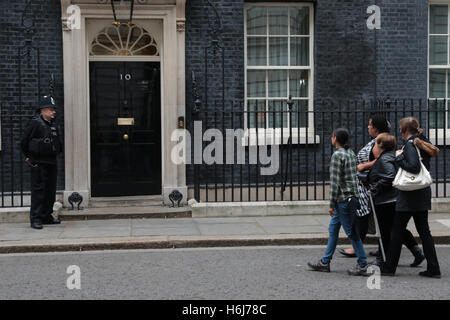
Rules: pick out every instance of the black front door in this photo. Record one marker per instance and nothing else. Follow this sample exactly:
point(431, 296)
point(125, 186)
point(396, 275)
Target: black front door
point(125, 128)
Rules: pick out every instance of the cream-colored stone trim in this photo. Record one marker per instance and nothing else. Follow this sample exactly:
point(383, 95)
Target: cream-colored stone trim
point(76, 91)
point(181, 23)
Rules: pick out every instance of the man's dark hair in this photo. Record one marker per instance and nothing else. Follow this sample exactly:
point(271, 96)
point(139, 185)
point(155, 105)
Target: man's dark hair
point(342, 136)
point(380, 123)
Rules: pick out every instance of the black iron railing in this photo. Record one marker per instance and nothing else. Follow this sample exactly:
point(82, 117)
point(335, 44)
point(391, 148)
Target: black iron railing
point(304, 148)
point(303, 145)
point(14, 173)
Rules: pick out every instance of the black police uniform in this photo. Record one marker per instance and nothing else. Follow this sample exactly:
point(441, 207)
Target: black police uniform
point(41, 143)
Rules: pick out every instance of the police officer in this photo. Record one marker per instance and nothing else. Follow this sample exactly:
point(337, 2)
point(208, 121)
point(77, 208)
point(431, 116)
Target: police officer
point(41, 144)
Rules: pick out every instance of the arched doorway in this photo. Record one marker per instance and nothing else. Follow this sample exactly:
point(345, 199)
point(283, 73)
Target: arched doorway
point(165, 23)
point(125, 112)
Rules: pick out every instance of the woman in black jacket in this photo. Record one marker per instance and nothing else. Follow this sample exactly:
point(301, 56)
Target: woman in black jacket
point(412, 204)
point(378, 124)
point(384, 194)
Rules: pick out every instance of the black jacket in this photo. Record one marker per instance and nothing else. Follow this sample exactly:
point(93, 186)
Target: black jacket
point(41, 141)
point(380, 178)
point(418, 200)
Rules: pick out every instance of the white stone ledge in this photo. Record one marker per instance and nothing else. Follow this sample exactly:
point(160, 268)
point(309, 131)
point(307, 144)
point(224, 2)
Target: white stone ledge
point(440, 205)
point(280, 208)
point(22, 214)
point(260, 208)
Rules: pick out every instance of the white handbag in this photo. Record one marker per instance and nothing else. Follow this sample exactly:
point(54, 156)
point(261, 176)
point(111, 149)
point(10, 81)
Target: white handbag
point(407, 181)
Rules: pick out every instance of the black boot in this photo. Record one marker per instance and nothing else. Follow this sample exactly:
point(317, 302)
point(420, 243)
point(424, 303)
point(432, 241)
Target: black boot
point(418, 256)
point(36, 225)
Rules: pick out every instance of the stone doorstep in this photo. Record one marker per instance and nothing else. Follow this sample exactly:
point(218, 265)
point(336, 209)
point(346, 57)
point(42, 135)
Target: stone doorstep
point(135, 201)
point(105, 213)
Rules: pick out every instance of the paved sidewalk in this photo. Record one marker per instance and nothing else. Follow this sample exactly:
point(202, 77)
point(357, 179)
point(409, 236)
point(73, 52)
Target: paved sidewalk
point(182, 232)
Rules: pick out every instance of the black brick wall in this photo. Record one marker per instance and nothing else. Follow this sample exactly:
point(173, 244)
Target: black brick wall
point(348, 64)
point(351, 62)
point(48, 38)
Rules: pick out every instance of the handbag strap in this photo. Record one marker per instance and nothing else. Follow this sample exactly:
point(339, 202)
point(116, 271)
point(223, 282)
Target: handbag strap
point(418, 152)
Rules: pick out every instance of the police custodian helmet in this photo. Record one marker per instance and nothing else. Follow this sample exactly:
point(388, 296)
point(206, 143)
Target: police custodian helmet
point(47, 102)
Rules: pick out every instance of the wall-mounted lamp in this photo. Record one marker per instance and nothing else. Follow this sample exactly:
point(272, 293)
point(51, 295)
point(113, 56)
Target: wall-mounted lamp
point(122, 3)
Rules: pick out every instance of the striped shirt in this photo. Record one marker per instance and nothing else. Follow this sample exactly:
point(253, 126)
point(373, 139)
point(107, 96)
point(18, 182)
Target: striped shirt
point(363, 157)
point(343, 177)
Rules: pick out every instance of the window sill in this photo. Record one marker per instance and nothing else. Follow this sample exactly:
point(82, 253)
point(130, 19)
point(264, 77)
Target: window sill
point(279, 137)
point(441, 141)
point(438, 138)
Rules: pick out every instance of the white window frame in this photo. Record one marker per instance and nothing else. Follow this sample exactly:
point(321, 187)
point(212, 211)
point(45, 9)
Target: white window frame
point(437, 136)
point(272, 136)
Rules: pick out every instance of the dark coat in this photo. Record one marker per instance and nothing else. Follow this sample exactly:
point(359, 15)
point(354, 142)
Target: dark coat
point(380, 178)
point(37, 132)
point(417, 200)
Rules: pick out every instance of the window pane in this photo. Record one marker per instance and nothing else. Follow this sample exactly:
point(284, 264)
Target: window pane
point(276, 117)
point(448, 115)
point(277, 83)
point(256, 21)
point(299, 21)
point(256, 118)
point(299, 51)
point(438, 50)
point(298, 83)
point(437, 113)
point(278, 52)
point(257, 51)
point(437, 83)
point(438, 19)
point(300, 109)
point(256, 83)
point(278, 20)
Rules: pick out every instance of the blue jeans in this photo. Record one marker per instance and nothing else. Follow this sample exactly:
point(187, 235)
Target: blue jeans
point(343, 217)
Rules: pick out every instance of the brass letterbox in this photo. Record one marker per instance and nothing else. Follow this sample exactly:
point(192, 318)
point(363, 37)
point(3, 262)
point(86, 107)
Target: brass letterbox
point(125, 121)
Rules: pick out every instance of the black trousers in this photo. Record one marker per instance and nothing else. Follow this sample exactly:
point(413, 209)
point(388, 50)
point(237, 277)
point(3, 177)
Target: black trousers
point(386, 214)
point(401, 220)
point(43, 191)
point(361, 226)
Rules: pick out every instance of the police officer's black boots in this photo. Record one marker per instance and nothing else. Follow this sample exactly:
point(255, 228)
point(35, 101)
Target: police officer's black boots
point(51, 220)
point(36, 225)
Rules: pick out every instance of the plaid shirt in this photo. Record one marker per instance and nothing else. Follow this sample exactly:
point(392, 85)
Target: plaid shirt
point(343, 177)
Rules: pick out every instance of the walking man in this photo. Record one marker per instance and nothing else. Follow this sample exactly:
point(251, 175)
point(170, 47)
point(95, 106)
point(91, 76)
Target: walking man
point(343, 204)
point(41, 144)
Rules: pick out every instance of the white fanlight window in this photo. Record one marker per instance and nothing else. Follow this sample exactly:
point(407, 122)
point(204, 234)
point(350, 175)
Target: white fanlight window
point(124, 40)
point(279, 63)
